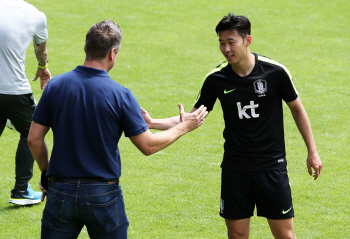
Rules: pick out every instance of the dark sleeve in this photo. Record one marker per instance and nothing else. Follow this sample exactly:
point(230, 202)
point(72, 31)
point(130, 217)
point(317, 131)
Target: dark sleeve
point(133, 122)
point(285, 86)
point(206, 95)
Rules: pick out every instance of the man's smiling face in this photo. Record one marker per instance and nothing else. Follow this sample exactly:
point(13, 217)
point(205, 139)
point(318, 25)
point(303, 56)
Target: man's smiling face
point(233, 46)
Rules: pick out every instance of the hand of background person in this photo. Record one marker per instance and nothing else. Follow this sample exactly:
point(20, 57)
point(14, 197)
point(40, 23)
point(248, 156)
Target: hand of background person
point(194, 119)
point(313, 161)
point(44, 75)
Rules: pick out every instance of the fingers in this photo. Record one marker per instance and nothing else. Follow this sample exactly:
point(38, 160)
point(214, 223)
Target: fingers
point(314, 163)
point(43, 84)
point(44, 75)
point(200, 109)
point(197, 117)
point(43, 197)
point(43, 190)
point(317, 172)
point(310, 170)
point(181, 108)
point(182, 111)
point(202, 112)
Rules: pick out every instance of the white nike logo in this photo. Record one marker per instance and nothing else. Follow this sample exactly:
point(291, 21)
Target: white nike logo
point(29, 197)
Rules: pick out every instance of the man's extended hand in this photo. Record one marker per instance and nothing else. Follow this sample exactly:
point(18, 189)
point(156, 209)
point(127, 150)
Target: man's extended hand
point(194, 119)
point(44, 75)
point(313, 161)
point(147, 118)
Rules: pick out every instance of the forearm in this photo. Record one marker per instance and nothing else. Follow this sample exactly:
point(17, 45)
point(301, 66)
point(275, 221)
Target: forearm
point(163, 139)
point(164, 124)
point(41, 53)
point(149, 143)
point(40, 153)
point(301, 119)
point(303, 123)
point(37, 144)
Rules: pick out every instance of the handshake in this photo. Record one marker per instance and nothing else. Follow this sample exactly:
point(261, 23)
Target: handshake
point(190, 121)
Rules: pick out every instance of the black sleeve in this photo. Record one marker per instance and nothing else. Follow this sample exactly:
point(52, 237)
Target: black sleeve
point(206, 95)
point(285, 86)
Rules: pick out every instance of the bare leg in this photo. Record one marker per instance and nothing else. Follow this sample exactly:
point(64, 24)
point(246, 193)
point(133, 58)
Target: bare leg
point(282, 229)
point(238, 229)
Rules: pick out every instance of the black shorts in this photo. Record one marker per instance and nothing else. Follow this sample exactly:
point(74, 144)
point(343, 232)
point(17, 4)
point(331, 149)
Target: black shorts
point(269, 191)
point(19, 109)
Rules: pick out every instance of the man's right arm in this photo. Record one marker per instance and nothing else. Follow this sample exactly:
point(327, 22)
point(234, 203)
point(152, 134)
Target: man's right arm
point(164, 124)
point(149, 143)
point(37, 144)
point(43, 71)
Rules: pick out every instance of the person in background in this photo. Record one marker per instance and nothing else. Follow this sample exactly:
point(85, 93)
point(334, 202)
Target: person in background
point(20, 23)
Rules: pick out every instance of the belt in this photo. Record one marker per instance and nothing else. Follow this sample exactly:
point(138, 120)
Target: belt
point(82, 180)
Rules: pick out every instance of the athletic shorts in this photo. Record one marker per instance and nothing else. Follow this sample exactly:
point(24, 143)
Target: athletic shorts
point(18, 109)
point(269, 191)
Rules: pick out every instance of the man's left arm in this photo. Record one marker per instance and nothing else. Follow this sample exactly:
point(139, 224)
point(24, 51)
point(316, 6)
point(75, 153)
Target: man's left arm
point(43, 71)
point(302, 121)
point(38, 147)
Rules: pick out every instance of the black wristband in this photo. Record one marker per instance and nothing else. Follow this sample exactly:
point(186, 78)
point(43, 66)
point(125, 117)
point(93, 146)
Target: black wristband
point(44, 180)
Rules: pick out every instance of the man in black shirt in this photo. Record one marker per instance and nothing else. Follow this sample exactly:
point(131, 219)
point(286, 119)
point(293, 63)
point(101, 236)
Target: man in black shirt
point(251, 88)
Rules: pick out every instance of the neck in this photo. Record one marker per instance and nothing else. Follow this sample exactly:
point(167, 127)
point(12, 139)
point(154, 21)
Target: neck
point(246, 66)
point(97, 64)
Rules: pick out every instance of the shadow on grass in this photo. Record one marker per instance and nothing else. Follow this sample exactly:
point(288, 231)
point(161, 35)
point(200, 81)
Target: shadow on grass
point(15, 206)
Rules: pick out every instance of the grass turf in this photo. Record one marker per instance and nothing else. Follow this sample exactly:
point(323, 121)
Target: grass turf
point(168, 47)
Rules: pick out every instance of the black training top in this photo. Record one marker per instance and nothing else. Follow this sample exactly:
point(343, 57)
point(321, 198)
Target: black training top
point(253, 113)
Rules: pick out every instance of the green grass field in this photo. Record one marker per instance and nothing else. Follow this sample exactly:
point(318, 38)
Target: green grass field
point(168, 48)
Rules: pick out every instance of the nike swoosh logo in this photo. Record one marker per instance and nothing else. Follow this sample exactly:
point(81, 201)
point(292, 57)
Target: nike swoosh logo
point(228, 91)
point(285, 212)
point(29, 197)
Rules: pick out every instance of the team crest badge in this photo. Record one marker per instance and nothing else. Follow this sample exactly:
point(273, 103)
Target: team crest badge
point(260, 87)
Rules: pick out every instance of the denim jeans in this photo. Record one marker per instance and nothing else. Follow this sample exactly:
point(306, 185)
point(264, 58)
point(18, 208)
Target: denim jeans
point(98, 206)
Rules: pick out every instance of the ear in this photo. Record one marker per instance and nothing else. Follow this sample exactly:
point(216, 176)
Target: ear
point(248, 40)
point(85, 49)
point(110, 54)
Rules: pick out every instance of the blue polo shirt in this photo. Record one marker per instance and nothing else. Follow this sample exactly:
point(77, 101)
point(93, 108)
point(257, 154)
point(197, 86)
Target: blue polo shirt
point(87, 112)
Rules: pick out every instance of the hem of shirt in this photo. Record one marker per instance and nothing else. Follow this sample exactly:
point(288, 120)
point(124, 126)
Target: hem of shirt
point(252, 168)
point(38, 121)
point(137, 132)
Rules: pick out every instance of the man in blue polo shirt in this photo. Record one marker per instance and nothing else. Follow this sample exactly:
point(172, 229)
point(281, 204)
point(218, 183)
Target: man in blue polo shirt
point(87, 112)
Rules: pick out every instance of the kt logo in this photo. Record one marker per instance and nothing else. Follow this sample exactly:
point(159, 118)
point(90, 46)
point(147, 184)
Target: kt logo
point(242, 111)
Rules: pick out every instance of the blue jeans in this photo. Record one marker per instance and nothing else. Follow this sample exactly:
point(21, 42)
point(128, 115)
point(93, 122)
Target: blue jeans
point(98, 206)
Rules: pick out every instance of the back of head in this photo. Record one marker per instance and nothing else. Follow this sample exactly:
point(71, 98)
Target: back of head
point(101, 38)
point(231, 22)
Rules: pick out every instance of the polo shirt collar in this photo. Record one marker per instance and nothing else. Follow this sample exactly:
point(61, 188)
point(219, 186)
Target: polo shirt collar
point(91, 71)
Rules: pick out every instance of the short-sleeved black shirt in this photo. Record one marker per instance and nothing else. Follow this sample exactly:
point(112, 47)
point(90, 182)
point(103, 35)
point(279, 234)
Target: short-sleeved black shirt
point(253, 113)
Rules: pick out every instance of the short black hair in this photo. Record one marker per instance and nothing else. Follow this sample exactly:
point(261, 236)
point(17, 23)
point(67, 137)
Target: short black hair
point(101, 38)
point(231, 22)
